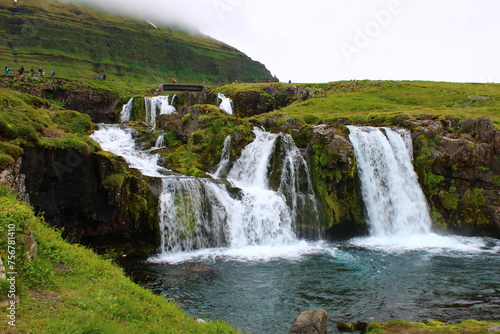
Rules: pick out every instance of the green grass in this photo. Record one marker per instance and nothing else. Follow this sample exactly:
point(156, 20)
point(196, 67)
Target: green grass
point(382, 101)
point(70, 289)
point(28, 120)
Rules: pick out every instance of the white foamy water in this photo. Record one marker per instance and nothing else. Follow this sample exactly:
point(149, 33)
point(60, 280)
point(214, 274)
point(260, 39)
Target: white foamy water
point(395, 203)
point(119, 141)
point(294, 251)
point(226, 103)
point(126, 112)
point(430, 242)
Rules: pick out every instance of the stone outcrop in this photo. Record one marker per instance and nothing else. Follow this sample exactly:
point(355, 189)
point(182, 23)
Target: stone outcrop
point(92, 197)
point(182, 122)
point(101, 106)
point(310, 322)
point(336, 182)
point(272, 97)
point(185, 99)
point(458, 167)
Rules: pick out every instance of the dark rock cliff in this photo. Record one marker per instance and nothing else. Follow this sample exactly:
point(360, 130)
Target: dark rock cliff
point(93, 197)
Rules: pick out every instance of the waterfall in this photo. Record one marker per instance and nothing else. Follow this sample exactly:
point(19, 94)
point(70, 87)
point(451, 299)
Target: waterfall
point(296, 186)
point(192, 214)
point(160, 141)
point(157, 105)
point(119, 141)
point(224, 159)
point(394, 201)
point(226, 103)
point(126, 112)
point(238, 212)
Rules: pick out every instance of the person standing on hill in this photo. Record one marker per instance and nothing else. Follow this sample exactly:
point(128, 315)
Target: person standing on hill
point(40, 72)
point(21, 70)
point(52, 72)
point(7, 69)
point(32, 72)
point(174, 80)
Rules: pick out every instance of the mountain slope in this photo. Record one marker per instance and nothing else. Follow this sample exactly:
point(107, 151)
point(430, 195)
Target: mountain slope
point(79, 42)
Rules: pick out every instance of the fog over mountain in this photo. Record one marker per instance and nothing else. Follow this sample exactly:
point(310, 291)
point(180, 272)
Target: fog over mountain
point(319, 40)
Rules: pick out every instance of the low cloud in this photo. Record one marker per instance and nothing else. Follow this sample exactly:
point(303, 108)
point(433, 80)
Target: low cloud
point(449, 40)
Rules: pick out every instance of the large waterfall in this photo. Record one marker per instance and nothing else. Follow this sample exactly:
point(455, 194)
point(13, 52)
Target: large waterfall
point(394, 201)
point(237, 207)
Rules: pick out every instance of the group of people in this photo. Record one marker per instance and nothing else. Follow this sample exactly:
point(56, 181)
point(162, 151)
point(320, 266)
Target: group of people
point(21, 71)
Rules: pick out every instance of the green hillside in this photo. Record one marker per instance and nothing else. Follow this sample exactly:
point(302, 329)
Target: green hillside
point(82, 43)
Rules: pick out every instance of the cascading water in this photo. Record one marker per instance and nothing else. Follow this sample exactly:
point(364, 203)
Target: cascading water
point(160, 141)
point(126, 112)
point(394, 201)
point(224, 158)
point(226, 103)
point(202, 213)
point(450, 277)
point(119, 141)
point(158, 105)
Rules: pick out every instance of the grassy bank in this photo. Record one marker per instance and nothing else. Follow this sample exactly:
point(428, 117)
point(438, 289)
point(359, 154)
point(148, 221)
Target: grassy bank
point(69, 289)
point(381, 101)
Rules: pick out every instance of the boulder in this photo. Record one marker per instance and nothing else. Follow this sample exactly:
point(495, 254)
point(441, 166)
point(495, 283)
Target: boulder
point(310, 322)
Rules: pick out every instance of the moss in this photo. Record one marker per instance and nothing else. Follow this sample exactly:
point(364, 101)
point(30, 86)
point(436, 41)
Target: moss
point(114, 181)
point(5, 161)
point(339, 191)
point(449, 199)
point(138, 110)
point(74, 122)
point(138, 206)
point(185, 118)
point(311, 119)
point(496, 180)
point(472, 207)
point(79, 143)
point(431, 327)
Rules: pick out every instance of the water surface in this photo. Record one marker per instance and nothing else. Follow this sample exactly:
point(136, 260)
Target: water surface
point(262, 289)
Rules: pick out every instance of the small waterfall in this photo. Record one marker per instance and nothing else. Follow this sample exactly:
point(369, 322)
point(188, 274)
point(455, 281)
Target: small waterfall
point(160, 141)
point(395, 203)
point(224, 159)
point(226, 103)
point(192, 214)
point(157, 105)
point(119, 141)
point(250, 170)
point(296, 186)
point(126, 112)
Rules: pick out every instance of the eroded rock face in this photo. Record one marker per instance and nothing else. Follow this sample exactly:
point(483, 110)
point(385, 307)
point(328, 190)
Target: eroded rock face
point(252, 103)
point(464, 163)
point(183, 122)
point(67, 186)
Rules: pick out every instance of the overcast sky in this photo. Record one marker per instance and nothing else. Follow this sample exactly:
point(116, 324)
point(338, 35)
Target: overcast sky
point(331, 40)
